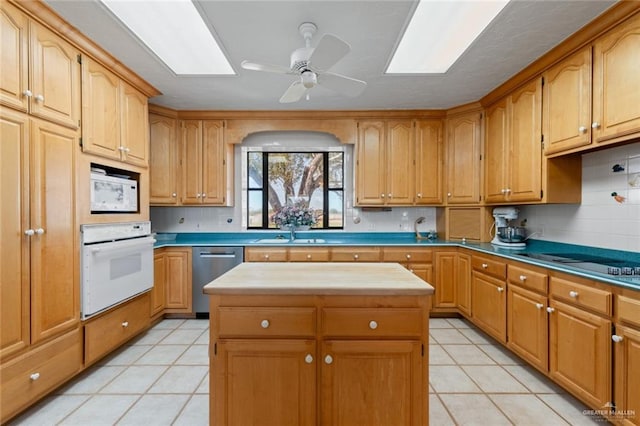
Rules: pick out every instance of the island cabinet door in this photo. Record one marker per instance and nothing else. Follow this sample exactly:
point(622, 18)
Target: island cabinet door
point(373, 383)
point(263, 382)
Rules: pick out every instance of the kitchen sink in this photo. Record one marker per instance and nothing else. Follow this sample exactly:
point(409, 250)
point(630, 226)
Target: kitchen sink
point(308, 241)
point(286, 241)
point(272, 241)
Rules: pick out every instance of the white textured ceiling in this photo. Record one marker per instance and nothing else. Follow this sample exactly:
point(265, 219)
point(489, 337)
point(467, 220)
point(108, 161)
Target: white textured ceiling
point(267, 31)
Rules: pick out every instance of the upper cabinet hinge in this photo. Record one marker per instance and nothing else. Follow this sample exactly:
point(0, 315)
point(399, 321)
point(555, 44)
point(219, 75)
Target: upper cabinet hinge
point(543, 81)
point(80, 140)
point(79, 59)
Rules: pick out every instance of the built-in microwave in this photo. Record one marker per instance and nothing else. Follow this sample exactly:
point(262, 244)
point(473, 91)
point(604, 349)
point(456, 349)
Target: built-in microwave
point(112, 194)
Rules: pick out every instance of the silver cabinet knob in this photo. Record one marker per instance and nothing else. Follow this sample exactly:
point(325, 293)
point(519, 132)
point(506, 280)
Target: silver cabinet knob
point(550, 309)
point(485, 266)
point(582, 129)
point(174, 194)
point(39, 98)
point(356, 257)
point(573, 294)
point(308, 359)
point(408, 256)
point(39, 231)
point(508, 190)
point(125, 324)
point(504, 191)
point(34, 376)
point(419, 195)
point(539, 305)
point(617, 338)
point(264, 323)
point(595, 125)
point(381, 195)
point(448, 194)
point(500, 289)
point(308, 256)
point(328, 359)
point(29, 232)
point(373, 325)
point(266, 256)
point(389, 195)
point(523, 277)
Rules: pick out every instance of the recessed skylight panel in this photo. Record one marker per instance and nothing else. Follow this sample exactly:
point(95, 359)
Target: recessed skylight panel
point(175, 32)
point(439, 33)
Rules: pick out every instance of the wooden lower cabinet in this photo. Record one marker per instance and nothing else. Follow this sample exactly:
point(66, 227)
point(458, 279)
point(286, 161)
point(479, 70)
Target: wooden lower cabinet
point(527, 321)
point(328, 360)
point(463, 284)
point(158, 292)
point(489, 305)
point(580, 353)
point(178, 280)
point(626, 374)
point(29, 377)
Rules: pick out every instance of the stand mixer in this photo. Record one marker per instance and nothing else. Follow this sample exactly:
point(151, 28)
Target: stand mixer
point(505, 235)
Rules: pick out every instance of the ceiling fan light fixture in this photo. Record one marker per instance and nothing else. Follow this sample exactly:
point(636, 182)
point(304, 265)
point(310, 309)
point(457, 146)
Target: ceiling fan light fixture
point(309, 79)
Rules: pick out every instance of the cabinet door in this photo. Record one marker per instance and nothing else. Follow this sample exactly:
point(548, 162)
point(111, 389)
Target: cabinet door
point(213, 163)
point(55, 299)
point(463, 283)
point(445, 283)
point(400, 160)
point(163, 161)
point(566, 104)
point(100, 111)
point(54, 78)
point(191, 159)
point(370, 164)
point(134, 126)
point(356, 378)
point(527, 321)
point(422, 270)
point(158, 291)
point(496, 152)
point(463, 159)
point(178, 279)
point(574, 332)
point(14, 250)
point(525, 149)
point(489, 305)
point(627, 371)
point(263, 382)
point(428, 158)
point(616, 82)
point(14, 78)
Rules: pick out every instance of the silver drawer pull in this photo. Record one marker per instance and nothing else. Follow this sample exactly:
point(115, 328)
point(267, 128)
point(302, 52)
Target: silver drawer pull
point(485, 266)
point(500, 289)
point(617, 338)
point(355, 256)
point(264, 323)
point(573, 294)
point(539, 305)
point(34, 376)
point(373, 325)
point(550, 309)
point(523, 277)
point(328, 359)
point(125, 324)
point(308, 359)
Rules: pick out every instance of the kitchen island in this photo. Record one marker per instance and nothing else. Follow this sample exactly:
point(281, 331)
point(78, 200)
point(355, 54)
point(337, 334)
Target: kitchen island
point(309, 343)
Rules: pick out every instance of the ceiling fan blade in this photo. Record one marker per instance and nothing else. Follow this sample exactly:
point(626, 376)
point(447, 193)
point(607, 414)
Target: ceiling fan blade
point(253, 66)
point(294, 93)
point(341, 84)
point(330, 49)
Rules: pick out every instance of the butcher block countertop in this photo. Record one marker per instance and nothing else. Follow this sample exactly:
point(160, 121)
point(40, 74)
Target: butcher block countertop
point(370, 279)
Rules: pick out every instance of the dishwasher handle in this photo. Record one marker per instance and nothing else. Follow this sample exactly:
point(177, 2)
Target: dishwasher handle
point(218, 255)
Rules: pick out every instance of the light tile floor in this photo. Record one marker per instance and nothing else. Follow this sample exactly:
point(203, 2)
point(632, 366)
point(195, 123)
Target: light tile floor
point(162, 378)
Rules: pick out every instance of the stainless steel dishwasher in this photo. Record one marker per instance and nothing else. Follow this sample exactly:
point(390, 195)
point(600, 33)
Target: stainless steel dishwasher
point(208, 264)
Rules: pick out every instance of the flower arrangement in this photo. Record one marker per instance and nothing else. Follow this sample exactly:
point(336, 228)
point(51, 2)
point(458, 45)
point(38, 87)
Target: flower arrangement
point(294, 216)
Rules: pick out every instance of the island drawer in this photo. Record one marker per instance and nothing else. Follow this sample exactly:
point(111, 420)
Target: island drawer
point(372, 322)
point(628, 310)
point(309, 254)
point(406, 254)
point(268, 254)
point(489, 266)
point(266, 322)
point(529, 278)
point(592, 298)
point(28, 377)
point(355, 254)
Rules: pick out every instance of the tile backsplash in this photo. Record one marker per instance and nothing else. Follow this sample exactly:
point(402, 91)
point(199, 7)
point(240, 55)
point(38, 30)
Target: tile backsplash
point(600, 220)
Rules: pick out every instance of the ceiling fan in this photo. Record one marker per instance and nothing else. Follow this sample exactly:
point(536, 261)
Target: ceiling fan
point(311, 65)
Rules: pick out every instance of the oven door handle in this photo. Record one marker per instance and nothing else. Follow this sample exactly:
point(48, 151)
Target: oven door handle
point(120, 245)
point(218, 255)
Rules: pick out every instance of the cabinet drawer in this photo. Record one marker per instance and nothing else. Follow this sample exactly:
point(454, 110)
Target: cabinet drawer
point(110, 330)
point(355, 254)
point(34, 374)
point(581, 295)
point(252, 254)
point(628, 310)
point(406, 254)
point(266, 322)
point(528, 278)
point(311, 254)
point(369, 322)
point(489, 266)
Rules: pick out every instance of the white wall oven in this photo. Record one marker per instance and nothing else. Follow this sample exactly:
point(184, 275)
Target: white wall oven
point(117, 264)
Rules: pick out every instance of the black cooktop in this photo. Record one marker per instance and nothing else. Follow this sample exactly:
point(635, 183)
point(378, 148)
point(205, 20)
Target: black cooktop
point(599, 264)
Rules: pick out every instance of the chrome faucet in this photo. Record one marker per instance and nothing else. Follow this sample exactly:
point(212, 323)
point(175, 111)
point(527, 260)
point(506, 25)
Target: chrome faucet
point(292, 229)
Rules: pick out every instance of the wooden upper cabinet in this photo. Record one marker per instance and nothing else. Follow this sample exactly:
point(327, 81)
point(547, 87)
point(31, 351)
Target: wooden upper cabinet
point(191, 155)
point(370, 163)
point(566, 117)
point(213, 162)
point(163, 160)
point(115, 116)
point(463, 159)
point(496, 151)
point(400, 160)
point(616, 82)
point(40, 71)
point(429, 157)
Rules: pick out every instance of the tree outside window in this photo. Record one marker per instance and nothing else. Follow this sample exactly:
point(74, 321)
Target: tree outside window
point(312, 180)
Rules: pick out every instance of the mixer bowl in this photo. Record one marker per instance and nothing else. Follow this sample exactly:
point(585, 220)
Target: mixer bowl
point(512, 234)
